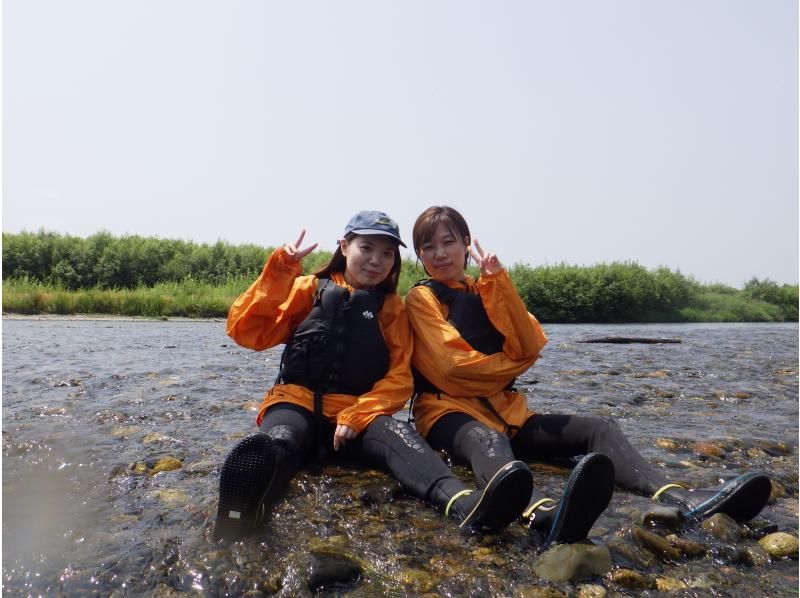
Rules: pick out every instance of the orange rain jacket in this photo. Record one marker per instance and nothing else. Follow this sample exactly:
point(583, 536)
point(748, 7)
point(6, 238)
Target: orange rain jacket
point(267, 313)
point(463, 374)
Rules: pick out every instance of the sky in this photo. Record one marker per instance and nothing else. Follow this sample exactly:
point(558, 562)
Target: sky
point(584, 132)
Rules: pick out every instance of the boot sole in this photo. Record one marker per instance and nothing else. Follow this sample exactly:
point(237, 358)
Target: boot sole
point(742, 498)
point(587, 494)
point(246, 476)
point(503, 499)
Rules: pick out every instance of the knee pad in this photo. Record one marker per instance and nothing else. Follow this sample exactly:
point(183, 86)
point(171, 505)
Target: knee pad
point(488, 440)
point(400, 429)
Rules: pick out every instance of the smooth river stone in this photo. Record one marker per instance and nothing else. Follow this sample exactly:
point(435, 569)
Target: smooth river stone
point(327, 570)
point(571, 562)
point(779, 545)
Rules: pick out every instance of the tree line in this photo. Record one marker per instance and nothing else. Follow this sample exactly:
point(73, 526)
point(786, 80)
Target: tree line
point(108, 262)
point(136, 275)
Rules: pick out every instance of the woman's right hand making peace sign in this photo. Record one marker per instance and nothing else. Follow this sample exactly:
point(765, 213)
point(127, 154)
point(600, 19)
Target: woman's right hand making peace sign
point(293, 251)
point(488, 263)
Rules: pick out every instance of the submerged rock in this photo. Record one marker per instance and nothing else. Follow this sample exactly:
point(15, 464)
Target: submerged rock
point(723, 527)
point(663, 515)
point(630, 579)
point(708, 449)
point(670, 584)
point(778, 491)
point(572, 562)
point(418, 579)
point(687, 547)
point(754, 556)
point(779, 545)
point(124, 431)
point(628, 553)
point(326, 570)
point(667, 444)
point(171, 496)
point(378, 494)
point(153, 466)
point(201, 468)
point(659, 545)
point(591, 591)
point(534, 592)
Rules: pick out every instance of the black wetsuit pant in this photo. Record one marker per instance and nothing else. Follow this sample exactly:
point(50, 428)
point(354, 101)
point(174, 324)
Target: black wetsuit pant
point(386, 443)
point(543, 437)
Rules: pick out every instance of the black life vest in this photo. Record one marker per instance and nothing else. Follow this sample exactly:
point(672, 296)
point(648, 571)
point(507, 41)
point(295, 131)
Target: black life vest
point(467, 315)
point(338, 347)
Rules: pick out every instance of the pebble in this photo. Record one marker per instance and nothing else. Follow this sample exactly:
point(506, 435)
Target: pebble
point(667, 444)
point(154, 437)
point(418, 579)
point(67, 383)
point(326, 570)
point(722, 527)
point(572, 562)
point(486, 555)
point(779, 545)
point(754, 556)
point(756, 454)
point(658, 374)
point(662, 515)
point(659, 545)
point(54, 411)
point(775, 449)
point(378, 494)
point(778, 491)
point(171, 496)
point(629, 551)
point(670, 584)
point(628, 578)
point(591, 591)
point(153, 466)
point(708, 449)
point(688, 547)
point(124, 431)
point(200, 467)
point(329, 544)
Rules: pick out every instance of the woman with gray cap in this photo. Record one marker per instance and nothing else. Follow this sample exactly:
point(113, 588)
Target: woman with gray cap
point(345, 370)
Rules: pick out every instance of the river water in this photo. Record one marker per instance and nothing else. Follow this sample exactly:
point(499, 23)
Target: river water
point(90, 407)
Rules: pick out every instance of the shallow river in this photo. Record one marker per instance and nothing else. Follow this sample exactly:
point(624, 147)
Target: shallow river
point(93, 409)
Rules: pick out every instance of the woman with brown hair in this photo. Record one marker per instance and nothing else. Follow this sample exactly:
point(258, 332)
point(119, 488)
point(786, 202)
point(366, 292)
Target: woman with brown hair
point(471, 339)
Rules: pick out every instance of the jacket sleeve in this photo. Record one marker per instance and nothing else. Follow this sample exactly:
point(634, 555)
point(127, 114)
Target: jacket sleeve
point(524, 336)
point(266, 313)
point(447, 360)
point(389, 394)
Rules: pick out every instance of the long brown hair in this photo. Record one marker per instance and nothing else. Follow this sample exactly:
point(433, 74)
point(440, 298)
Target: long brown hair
point(338, 264)
point(427, 223)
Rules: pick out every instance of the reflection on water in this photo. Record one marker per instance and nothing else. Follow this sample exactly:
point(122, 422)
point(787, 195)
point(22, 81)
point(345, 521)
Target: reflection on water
point(92, 409)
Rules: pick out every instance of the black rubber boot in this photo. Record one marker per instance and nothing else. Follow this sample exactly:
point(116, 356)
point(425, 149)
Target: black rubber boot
point(501, 501)
point(741, 498)
point(588, 491)
point(247, 476)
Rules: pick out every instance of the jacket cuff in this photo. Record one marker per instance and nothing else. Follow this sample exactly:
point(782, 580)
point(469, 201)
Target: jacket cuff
point(279, 261)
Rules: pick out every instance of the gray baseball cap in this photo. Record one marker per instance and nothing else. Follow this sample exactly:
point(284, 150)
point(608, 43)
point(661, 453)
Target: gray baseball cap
point(371, 222)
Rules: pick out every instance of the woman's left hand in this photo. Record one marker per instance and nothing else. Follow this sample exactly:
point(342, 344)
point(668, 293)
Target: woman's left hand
point(489, 263)
point(342, 435)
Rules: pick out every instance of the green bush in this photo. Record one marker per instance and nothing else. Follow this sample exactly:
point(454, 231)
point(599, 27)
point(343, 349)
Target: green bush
point(50, 273)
